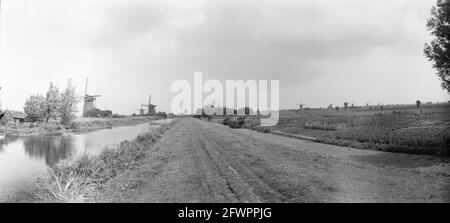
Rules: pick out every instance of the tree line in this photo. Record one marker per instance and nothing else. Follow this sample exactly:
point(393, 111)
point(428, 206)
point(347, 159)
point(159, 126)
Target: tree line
point(55, 105)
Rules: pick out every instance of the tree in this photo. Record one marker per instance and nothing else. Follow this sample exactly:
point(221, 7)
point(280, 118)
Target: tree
point(67, 103)
point(52, 101)
point(35, 107)
point(162, 114)
point(438, 50)
point(57, 106)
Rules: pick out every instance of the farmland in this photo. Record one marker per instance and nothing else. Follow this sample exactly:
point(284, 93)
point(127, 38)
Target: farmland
point(401, 128)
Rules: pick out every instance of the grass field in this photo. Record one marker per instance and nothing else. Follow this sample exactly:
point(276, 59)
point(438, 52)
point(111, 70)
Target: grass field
point(402, 128)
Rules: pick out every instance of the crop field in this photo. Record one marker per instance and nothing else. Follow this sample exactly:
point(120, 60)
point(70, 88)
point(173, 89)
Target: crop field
point(402, 128)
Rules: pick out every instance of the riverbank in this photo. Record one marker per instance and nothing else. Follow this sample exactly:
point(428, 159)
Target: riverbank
point(80, 178)
point(78, 125)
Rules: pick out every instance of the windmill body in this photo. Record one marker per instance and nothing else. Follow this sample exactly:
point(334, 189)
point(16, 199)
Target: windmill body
point(151, 108)
point(89, 102)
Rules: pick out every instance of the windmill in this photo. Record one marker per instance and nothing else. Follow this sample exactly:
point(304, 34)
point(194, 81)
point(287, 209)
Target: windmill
point(141, 111)
point(301, 105)
point(346, 103)
point(330, 106)
point(89, 101)
point(150, 107)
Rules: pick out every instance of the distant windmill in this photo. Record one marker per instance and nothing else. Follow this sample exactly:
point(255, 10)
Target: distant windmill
point(89, 101)
point(346, 103)
point(141, 111)
point(301, 105)
point(146, 106)
point(150, 107)
point(330, 106)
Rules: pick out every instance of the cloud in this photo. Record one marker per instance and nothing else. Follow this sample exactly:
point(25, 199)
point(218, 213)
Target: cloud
point(288, 39)
point(138, 45)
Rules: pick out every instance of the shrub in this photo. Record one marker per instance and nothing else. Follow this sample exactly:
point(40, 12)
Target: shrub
point(72, 180)
point(52, 127)
point(235, 122)
point(260, 129)
point(226, 121)
point(35, 108)
point(6, 119)
point(119, 116)
point(162, 114)
point(324, 126)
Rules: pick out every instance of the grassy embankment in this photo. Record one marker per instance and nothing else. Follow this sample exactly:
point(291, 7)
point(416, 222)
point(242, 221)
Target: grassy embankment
point(78, 125)
point(402, 129)
point(79, 178)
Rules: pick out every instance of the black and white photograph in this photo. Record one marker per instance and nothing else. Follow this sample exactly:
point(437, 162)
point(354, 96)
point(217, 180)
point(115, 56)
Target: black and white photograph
point(245, 102)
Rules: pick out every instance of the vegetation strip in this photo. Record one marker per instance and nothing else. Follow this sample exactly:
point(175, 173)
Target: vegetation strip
point(78, 178)
point(294, 136)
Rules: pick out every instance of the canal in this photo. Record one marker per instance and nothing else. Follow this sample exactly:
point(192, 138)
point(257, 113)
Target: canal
point(22, 159)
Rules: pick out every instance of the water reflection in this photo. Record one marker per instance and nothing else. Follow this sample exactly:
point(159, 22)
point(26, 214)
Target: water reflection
point(50, 148)
point(6, 141)
point(22, 158)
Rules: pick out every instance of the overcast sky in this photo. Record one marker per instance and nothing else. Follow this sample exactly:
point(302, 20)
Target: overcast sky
point(322, 51)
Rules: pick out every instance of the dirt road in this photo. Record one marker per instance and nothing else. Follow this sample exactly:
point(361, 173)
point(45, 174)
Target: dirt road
point(200, 161)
